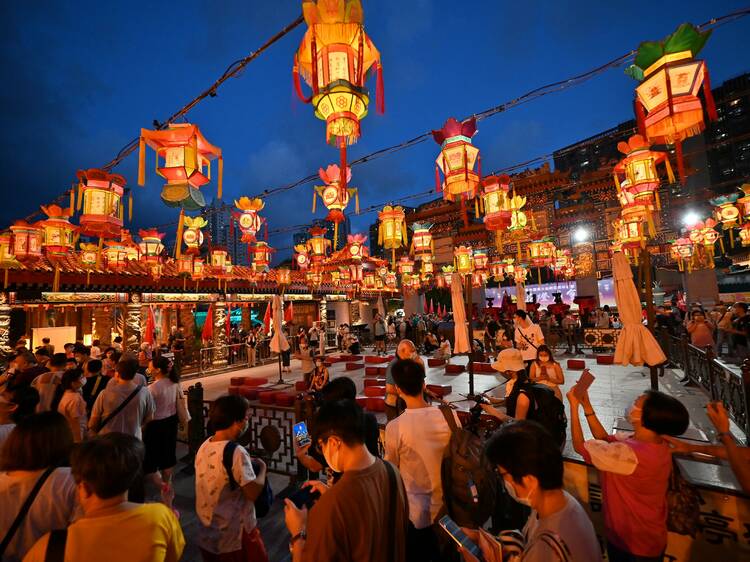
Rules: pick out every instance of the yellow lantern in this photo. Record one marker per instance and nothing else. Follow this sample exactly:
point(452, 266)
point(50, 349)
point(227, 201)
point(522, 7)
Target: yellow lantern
point(102, 194)
point(463, 260)
point(318, 245)
point(89, 253)
point(27, 240)
point(58, 231)
point(392, 229)
point(198, 269)
point(497, 270)
point(249, 219)
point(116, 254)
point(191, 234)
point(448, 271)
point(6, 249)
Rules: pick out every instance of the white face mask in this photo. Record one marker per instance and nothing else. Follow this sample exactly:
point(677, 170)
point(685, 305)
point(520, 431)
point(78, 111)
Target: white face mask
point(332, 457)
point(526, 500)
point(633, 414)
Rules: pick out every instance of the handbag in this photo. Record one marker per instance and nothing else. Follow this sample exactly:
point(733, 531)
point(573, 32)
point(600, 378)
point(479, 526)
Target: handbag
point(683, 504)
point(24, 510)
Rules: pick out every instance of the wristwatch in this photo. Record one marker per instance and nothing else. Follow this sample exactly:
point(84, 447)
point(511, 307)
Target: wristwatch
point(302, 535)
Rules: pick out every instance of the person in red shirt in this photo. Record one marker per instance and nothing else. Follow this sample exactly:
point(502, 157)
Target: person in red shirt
point(634, 472)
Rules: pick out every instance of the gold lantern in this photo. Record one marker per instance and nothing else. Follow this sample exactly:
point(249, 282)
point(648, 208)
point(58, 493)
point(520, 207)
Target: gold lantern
point(463, 260)
point(249, 219)
point(89, 254)
point(27, 240)
point(58, 231)
point(102, 202)
point(392, 229)
point(318, 245)
point(283, 276)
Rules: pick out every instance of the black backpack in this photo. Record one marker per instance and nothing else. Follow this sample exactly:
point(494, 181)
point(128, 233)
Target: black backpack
point(470, 484)
point(265, 498)
point(548, 411)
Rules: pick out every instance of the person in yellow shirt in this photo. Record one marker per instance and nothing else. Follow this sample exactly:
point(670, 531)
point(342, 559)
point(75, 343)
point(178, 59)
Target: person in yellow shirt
point(104, 469)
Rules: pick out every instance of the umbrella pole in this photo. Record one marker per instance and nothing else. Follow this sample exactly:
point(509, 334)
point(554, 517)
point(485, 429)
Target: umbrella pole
point(471, 338)
point(650, 313)
point(281, 377)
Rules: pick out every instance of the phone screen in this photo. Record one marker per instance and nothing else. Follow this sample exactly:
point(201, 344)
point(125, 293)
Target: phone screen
point(301, 436)
point(455, 532)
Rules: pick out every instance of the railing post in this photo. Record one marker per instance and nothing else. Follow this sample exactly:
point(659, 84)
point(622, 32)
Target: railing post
point(745, 397)
point(711, 378)
point(197, 423)
point(686, 366)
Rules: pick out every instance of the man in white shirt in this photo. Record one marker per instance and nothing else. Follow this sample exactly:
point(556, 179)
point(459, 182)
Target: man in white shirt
point(48, 384)
point(415, 442)
point(226, 511)
point(528, 336)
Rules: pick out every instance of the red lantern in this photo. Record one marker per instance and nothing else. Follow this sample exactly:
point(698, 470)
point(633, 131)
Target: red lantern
point(335, 196)
point(58, 231)
point(458, 160)
point(102, 202)
point(261, 257)
point(421, 240)
point(356, 246)
point(27, 240)
point(248, 218)
point(301, 257)
point(318, 245)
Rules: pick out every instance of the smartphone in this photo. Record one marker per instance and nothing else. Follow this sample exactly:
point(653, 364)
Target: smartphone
point(583, 383)
point(305, 497)
point(301, 435)
point(455, 532)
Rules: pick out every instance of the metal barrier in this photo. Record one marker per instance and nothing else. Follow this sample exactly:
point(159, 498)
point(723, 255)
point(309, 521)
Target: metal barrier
point(718, 381)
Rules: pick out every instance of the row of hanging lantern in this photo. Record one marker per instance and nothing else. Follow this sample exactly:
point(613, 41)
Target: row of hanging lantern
point(696, 250)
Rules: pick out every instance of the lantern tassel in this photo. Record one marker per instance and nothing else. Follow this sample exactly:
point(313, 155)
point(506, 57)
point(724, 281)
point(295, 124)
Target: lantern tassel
point(617, 183)
point(710, 103)
point(438, 184)
point(130, 207)
point(315, 197)
point(56, 279)
point(640, 117)
point(72, 205)
point(79, 203)
point(680, 161)
point(221, 177)
point(670, 173)
point(356, 201)
point(335, 236)
point(142, 161)
point(99, 252)
point(314, 62)
point(5, 278)
point(298, 83)
point(380, 90)
point(178, 242)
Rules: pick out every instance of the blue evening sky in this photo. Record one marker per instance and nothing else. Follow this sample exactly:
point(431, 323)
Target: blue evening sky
point(81, 78)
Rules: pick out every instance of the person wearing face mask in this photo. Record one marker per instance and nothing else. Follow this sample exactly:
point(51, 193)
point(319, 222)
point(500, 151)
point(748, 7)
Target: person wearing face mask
point(228, 528)
point(111, 527)
point(528, 336)
point(72, 405)
point(307, 361)
point(319, 377)
point(361, 518)
point(700, 330)
point(634, 472)
point(405, 350)
point(545, 370)
point(531, 466)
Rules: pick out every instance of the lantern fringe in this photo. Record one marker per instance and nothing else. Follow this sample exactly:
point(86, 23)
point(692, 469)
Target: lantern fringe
point(130, 207)
point(221, 177)
point(314, 66)
point(315, 198)
point(72, 200)
point(640, 117)
point(356, 201)
point(178, 241)
point(79, 203)
point(670, 172)
point(680, 161)
point(298, 83)
point(335, 236)
point(142, 160)
point(710, 103)
point(380, 90)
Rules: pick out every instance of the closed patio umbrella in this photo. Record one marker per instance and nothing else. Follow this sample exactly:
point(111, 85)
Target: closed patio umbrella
point(460, 334)
point(381, 306)
point(636, 345)
point(278, 341)
point(520, 296)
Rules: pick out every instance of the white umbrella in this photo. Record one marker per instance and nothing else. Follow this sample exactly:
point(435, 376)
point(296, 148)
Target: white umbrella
point(381, 306)
point(460, 333)
point(278, 341)
point(636, 345)
point(520, 296)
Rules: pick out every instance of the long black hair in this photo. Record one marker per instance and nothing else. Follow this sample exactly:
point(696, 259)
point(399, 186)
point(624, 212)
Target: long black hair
point(165, 366)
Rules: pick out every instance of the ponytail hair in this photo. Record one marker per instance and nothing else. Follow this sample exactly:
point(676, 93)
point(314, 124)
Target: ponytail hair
point(165, 366)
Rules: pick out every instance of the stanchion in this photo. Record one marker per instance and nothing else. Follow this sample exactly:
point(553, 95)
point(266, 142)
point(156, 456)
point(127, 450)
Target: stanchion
point(196, 433)
point(648, 295)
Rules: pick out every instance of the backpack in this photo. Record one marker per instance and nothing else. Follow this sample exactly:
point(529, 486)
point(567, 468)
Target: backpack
point(470, 484)
point(265, 499)
point(548, 411)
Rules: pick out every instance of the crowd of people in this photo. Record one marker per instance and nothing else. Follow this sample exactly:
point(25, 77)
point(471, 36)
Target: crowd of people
point(87, 454)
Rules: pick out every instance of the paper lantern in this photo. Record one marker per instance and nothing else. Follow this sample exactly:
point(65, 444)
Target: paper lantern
point(478, 279)
point(58, 231)
point(405, 266)
point(448, 271)
point(318, 245)
point(185, 265)
point(183, 158)
point(745, 234)
point(428, 268)
point(192, 234)
point(727, 213)
point(519, 274)
point(301, 256)
point(150, 246)
point(463, 260)
point(497, 270)
point(630, 235)
point(198, 269)
point(391, 282)
point(421, 241)
point(314, 278)
point(356, 246)
point(248, 219)
point(335, 196)
point(6, 249)
point(481, 259)
point(261, 257)
point(541, 252)
point(334, 58)
point(344, 275)
point(117, 254)
point(392, 229)
point(743, 203)
point(457, 160)
point(283, 276)
point(101, 193)
point(682, 251)
point(27, 240)
point(668, 108)
point(355, 273)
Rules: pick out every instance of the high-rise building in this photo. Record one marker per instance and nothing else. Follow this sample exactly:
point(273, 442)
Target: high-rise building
point(219, 229)
point(594, 152)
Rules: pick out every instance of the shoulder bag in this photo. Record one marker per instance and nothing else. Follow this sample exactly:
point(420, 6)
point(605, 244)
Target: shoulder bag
point(119, 408)
point(24, 510)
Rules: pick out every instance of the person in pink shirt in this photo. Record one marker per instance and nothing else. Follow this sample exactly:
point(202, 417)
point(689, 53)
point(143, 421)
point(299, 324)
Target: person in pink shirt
point(700, 330)
point(634, 472)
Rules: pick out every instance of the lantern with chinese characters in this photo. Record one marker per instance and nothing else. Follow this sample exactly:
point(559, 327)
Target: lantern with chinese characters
point(27, 240)
point(481, 259)
point(421, 241)
point(186, 165)
point(58, 231)
point(496, 205)
point(334, 59)
point(356, 246)
point(150, 246)
point(249, 219)
point(682, 252)
point(392, 229)
point(301, 256)
point(101, 193)
point(283, 276)
point(458, 160)
point(497, 270)
point(668, 108)
point(318, 245)
point(727, 213)
point(192, 234)
point(116, 254)
point(261, 257)
point(335, 196)
point(636, 175)
point(463, 260)
point(405, 266)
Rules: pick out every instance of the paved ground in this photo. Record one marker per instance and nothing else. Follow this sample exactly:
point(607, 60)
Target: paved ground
point(613, 391)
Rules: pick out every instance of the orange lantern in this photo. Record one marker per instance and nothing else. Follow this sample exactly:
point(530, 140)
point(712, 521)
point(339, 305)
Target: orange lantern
point(301, 257)
point(630, 234)
point(102, 202)
point(390, 281)
point(356, 245)
point(27, 240)
point(334, 58)
point(185, 265)
point(117, 254)
point(405, 266)
point(261, 257)
point(519, 274)
point(150, 246)
point(497, 270)
point(186, 165)
point(463, 260)
point(727, 213)
point(422, 246)
point(542, 252)
point(248, 218)
point(457, 160)
point(428, 268)
point(318, 245)
point(192, 234)
point(481, 259)
point(58, 231)
point(668, 108)
point(283, 276)
point(682, 251)
point(392, 229)
point(335, 196)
